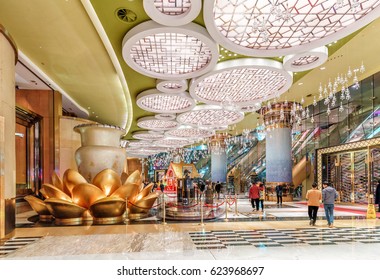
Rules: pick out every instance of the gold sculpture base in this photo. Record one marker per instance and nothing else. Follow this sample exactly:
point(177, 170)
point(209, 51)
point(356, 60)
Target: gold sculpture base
point(69, 221)
point(45, 218)
point(108, 221)
point(138, 216)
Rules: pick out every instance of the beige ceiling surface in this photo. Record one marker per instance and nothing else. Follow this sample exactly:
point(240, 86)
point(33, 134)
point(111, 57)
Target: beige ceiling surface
point(59, 37)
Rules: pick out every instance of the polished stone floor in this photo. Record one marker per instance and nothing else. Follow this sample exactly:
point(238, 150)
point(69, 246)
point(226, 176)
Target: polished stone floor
point(278, 233)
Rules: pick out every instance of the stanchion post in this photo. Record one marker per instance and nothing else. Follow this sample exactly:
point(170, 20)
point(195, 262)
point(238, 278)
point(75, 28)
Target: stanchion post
point(236, 209)
point(202, 224)
point(164, 210)
point(126, 210)
point(226, 209)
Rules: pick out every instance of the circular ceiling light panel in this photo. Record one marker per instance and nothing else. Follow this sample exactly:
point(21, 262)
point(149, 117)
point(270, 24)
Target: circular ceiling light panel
point(274, 28)
point(166, 116)
point(190, 132)
point(306, 60)
point(139, 144)
point(156, 124)
point(171, 86)
point(155, 101)
point(251, 108)
point(172, 142)
point(242, 81)
point(172, 12)
point(210, 116)
point(173, 53)
point(147, 135)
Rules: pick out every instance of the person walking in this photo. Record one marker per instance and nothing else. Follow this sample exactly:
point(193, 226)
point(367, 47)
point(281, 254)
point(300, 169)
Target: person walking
point(313, 197)
point(218, 188)
point(329, 195)
point(254, 196)
point(262, 195)
point(279, 191)
point(377, 195)
point(162, 186)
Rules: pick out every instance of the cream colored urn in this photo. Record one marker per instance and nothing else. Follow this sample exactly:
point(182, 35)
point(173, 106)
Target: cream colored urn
point(100, 149)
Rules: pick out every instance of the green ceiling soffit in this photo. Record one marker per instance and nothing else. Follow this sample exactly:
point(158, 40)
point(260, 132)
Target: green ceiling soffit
point(116, 29)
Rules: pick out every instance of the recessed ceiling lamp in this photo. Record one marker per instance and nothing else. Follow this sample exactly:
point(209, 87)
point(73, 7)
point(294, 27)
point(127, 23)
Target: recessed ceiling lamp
point(172, 142)
point(173, 53)
point(172, 13)
point(171, 86)
point(147, 135)
point(242, 81)
point(306, 60)
point(155, 101)
point(210, 116)
point(275, 28)
point(155, 124)
point(189, 132)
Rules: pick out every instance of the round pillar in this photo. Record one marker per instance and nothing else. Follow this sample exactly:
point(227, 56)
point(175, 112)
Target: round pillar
point(8, 59)
point(278, 120)
point(218, 158)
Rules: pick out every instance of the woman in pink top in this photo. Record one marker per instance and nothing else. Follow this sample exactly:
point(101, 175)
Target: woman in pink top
point(254, 195)
point(314, 197)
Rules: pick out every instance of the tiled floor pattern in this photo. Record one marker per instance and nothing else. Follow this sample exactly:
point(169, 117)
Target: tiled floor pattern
point(10, 245)
point(284, 237)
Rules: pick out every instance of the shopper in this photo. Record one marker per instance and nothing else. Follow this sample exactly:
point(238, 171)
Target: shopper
point(262, 195)
point(254, 196)
point(329, 195)
point(313, 197)
point(162, 186)
point(279, 191)
point(218, 188)
point(377, 195)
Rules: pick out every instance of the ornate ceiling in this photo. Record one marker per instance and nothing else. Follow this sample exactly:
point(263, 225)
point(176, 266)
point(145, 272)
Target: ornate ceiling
point(166, 69)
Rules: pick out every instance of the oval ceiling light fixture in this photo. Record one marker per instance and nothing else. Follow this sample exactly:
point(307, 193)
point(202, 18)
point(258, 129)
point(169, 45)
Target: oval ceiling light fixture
point(153, 123)
point(172, 142)
point(270, 28)
point(251, 108)
point(306, 60)
point(171, 86)
point(189, 132)
point(170, 53)
point(147, 135)
point(209, 116)
point(241, 81)
point(172, 13)
point(144, 152)
point(155, 101)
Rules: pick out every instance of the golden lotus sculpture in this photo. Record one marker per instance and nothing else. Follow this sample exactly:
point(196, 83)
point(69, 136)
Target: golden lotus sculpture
point(72, 200)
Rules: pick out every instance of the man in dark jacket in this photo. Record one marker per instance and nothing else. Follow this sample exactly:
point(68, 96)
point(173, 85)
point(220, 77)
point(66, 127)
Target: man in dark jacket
point(377, 195)
point(329, 195)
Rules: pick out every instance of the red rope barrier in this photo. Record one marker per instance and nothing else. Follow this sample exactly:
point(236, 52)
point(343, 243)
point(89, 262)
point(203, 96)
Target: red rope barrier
point(212, 206)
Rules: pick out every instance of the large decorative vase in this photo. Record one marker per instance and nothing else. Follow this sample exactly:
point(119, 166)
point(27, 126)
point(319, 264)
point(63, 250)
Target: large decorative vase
point(100, 149)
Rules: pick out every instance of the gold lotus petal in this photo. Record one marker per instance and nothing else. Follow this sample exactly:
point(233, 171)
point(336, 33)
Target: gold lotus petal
point(71, 178)
point(107, 180)
point(123, 178)
point(43, 192)
point(108, 207)
point(143, 205)
point(86, 194)
point(38, 205)
point(63, 209)
point(53, 192)
point(145, 191)
point(134, 178)
point(57, 182)
point(129, 191)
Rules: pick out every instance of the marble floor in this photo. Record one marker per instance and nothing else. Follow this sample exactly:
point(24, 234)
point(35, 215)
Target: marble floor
point(278, 233)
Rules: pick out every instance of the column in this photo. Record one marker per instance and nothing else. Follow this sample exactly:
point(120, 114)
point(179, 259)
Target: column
point(8, 59)
point(278, 121)
point(218, 158)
